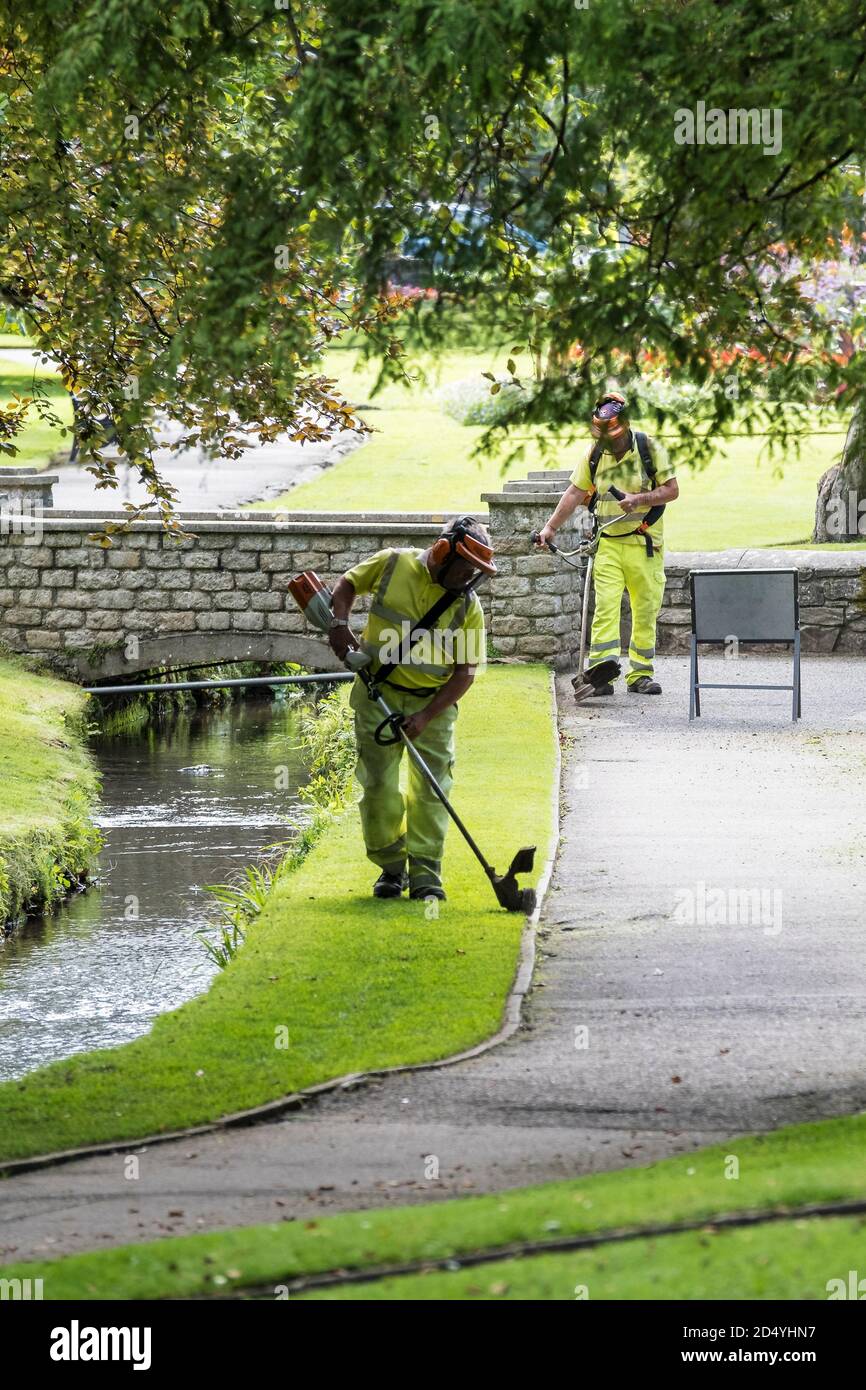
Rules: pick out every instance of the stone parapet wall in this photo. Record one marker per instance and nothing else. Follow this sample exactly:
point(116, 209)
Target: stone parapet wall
point(22, 490)
point(832, 584)
point(149, 599)
point(221, 594)
point(534, 603)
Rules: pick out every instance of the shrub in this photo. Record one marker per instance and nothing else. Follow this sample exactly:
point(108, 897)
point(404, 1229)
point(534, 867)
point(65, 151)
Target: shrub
point(473, 401)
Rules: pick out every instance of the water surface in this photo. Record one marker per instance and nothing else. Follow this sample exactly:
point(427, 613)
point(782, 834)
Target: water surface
point(184, 804)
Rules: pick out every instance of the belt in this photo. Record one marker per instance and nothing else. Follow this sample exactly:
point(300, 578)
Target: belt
point(419, 690)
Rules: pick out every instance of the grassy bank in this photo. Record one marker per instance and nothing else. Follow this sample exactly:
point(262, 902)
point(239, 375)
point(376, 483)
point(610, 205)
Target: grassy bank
point(352, 979)
point(740, 499)
point(47, 783)
point(793, 1258)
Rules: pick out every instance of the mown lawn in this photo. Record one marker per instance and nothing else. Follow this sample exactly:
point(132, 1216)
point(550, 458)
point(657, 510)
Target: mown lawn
point(792, 1260)
point(39, 440)
point(358, 983)
point(417, 452)
point(47, 784)
point(777, 1172)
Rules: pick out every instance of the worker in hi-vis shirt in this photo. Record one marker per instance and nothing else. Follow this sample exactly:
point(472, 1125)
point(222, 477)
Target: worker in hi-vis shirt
point(624, 473)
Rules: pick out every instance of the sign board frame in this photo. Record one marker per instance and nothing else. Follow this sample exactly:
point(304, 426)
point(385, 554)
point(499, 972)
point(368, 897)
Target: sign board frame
point(765, 626)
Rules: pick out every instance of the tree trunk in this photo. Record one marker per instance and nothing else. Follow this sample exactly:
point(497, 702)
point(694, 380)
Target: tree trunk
point(840, 512)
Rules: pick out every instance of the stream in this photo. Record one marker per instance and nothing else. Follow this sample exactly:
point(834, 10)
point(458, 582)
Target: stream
point(185, 803)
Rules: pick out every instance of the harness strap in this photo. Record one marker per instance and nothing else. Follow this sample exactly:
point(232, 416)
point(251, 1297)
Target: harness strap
point(427, 668)
point(418, 627)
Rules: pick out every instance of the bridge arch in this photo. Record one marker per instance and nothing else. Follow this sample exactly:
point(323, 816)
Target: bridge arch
point(188, 651)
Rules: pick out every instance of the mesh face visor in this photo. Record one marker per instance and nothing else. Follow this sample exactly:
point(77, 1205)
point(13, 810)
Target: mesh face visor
point(609, 418)
point(479, 555)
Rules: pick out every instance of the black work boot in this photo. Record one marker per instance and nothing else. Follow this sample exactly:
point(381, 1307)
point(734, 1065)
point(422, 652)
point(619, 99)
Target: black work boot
point(425, 878)
point(645, 685)
point(391, 882)
point(427, 890)
point(606, 689)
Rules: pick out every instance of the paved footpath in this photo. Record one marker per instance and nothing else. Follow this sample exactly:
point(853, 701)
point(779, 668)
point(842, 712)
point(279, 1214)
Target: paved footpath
point(263, 472)
point(709, 1013)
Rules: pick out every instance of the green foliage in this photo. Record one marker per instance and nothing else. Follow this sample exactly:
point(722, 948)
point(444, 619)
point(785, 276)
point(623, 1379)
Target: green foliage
point(327, 736)
point(123, 718)
point(240, 903)
point(474, 401)
point(562, 120)
point(39, 868)
point(117, 715)
point(150, 246)
point(199, 197)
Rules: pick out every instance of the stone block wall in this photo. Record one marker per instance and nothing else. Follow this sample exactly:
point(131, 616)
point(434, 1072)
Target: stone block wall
point(22, 490)
point(832, 584)
point(222, 593)
point(534, 603)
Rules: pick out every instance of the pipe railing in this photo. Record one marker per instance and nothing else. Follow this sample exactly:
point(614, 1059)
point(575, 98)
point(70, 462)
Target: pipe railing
point(317, 678)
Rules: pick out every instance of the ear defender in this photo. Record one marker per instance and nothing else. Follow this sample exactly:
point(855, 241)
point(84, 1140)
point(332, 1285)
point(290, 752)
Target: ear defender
point(460, 541)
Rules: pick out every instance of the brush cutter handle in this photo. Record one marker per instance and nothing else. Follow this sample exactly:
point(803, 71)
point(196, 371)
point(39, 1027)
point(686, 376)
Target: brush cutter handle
point(536, 540)
point(615, 492)
point(391, 725)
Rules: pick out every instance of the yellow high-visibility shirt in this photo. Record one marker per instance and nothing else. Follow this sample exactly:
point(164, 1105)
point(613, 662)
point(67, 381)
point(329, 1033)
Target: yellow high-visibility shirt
point(627, 475)
point(403, 591)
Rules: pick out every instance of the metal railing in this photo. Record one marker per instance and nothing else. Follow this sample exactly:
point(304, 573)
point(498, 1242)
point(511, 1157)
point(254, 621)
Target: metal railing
point(317, 678)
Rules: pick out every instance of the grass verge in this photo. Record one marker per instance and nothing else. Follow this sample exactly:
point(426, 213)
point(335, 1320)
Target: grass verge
point(350, 977)
point(792, 1259)
point(47, 785)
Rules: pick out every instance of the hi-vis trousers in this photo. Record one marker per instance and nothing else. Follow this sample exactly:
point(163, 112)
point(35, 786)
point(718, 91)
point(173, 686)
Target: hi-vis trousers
point(624, 565)
point(397, 826)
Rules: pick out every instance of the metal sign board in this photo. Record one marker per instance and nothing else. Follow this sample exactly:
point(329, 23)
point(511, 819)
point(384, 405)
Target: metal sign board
point(752, 605)
point(745, 606)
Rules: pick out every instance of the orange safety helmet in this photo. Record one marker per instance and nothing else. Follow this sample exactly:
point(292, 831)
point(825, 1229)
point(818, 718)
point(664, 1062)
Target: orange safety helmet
point(609, 418)
point(457, 539)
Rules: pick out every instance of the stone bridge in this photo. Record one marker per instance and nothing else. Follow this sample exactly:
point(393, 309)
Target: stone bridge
point(221, 595)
